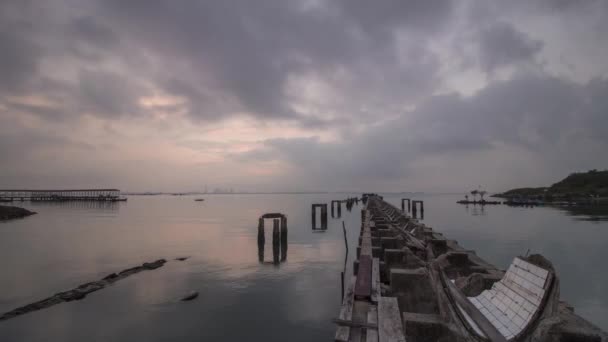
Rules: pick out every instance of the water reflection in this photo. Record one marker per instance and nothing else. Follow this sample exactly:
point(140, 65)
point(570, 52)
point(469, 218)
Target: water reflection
point(475, 210)
point(98, 205)
point(586, 212)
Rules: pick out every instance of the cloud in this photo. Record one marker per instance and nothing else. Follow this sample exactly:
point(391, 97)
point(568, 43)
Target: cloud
point(539, 115)
point(339, 93)
point(502, 45)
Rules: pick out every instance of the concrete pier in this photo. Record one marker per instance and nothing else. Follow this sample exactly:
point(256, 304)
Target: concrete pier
point(409, 207)
point(415, 209)
point(323, 214)
point(336, 206)
point(410, 283)
point(279, 237)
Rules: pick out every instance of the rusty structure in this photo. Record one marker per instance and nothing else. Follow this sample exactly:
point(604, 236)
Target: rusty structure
point(100, 195)
point(279, 237)
point(323, 213)
point(410, 283)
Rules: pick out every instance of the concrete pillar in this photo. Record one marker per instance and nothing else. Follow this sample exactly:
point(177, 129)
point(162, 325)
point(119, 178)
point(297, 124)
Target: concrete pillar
point(261, 240)
point(324, 216)
point(276, 240)
point(283, 238)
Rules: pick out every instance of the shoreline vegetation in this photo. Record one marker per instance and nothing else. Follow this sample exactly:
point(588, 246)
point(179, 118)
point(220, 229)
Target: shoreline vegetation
point(9, 212)
point(589, 187)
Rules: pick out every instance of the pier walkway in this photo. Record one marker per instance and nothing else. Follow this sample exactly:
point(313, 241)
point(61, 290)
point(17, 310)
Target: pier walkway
point(410, 283)
point(109, 195)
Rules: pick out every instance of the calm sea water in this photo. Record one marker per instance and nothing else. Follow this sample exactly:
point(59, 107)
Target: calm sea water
point(239, 297)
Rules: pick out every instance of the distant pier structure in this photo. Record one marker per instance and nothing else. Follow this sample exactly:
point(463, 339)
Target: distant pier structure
point(62, 195)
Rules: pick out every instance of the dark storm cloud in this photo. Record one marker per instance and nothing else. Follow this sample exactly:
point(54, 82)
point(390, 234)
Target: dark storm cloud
point(375, 75)
point(502, 45)
point(247, 50)
point(19, 53)
point(539, 113)
point(107, 94)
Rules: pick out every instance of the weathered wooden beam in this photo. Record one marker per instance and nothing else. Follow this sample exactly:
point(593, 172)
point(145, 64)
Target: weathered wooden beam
point(390, 328)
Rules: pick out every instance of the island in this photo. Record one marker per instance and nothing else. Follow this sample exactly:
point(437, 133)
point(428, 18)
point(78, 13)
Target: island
point(580, 187)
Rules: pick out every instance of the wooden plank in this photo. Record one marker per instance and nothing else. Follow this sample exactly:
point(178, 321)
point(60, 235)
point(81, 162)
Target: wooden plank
point(363, 286)
point(372, 319)
point(346, 312)
point(390, 328)
point(376, 292)
point(359, 316)
point(366, 247)
point(352, 324)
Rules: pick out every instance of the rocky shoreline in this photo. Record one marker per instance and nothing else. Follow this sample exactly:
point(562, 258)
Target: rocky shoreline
point(10, 212)
point(81, 291)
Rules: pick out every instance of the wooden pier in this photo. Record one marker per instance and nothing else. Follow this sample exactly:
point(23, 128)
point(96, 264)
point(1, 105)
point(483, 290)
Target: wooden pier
point(99, 195)
point(410, 283)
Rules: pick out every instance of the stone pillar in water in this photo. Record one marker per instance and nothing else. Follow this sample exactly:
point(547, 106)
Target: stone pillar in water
point(276, 240)
point(261, 240)
point(324, 216)
point(283, 238)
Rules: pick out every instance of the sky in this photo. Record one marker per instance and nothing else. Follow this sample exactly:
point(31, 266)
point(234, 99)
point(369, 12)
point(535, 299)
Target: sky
point(307, 95)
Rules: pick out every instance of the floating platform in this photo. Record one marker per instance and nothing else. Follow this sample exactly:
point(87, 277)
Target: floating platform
point(479, 202)
point(411, 283)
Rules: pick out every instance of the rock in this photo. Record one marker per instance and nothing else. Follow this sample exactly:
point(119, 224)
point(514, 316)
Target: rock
point(540, 261)
point(110, 276)
point(471, 286)
point(154, 265)
point(10, 212)
point(189, 296)
point(82, 290)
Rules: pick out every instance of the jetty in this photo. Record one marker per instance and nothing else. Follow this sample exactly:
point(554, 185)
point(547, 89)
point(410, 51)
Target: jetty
point(62, 195)
point(411, 283)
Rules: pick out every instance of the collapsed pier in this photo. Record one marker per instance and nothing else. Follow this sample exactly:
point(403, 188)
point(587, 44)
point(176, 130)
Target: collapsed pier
point(411, 283)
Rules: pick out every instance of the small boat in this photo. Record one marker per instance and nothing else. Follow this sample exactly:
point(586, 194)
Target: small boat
point(199, 199)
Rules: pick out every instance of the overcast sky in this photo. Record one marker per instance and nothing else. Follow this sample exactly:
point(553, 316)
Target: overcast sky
point(286, 95)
